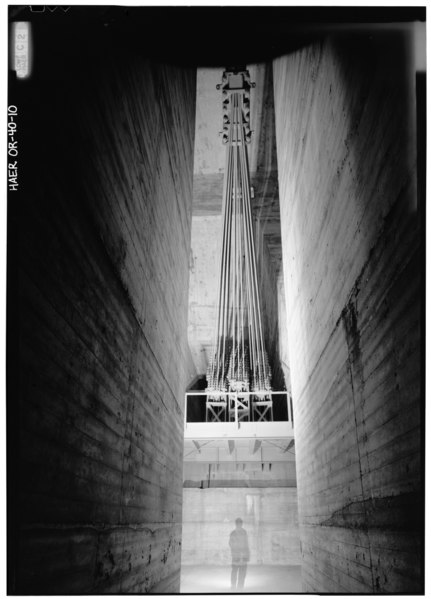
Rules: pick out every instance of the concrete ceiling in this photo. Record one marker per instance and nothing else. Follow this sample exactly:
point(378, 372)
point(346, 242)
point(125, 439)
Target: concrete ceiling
point(249, 450)
point(209, 166)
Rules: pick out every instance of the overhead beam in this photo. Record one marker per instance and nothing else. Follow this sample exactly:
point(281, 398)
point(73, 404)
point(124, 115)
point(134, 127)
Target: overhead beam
point(256, 446)
point(289, 446)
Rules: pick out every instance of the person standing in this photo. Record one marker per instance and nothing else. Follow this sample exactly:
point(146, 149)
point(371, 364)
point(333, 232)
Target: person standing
point(238, 543)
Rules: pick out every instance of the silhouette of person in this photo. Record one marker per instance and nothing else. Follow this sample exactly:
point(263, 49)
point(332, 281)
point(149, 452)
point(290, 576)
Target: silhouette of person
point(238, 543)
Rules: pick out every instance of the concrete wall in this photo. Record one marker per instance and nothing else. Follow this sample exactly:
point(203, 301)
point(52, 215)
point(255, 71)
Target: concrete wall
point(238, 473)
point(346, 140)
point(204, 278)
point(100, 237)
point(270, 308)
point(269, 516)
point(283, 345)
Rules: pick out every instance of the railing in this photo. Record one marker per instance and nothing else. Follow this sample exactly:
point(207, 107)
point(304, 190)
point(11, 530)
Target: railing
point(235, 407)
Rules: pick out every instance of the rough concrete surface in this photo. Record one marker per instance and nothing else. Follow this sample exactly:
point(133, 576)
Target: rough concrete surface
point(346, 139)
point(101, 238)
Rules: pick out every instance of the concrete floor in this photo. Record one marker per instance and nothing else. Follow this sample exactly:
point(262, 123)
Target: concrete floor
point(259, 579)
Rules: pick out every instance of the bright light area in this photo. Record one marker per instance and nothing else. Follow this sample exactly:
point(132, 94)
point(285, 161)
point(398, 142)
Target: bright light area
point(259, 579)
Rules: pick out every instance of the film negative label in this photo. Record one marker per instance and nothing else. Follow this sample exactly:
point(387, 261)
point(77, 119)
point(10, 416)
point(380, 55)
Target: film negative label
point(21, 49)
point(12, 148)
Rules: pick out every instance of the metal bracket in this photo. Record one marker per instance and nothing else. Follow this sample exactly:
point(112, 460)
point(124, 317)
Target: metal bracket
point(236, 81)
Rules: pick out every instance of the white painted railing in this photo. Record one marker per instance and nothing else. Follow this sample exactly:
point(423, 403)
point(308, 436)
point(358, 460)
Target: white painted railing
point(236, 415)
